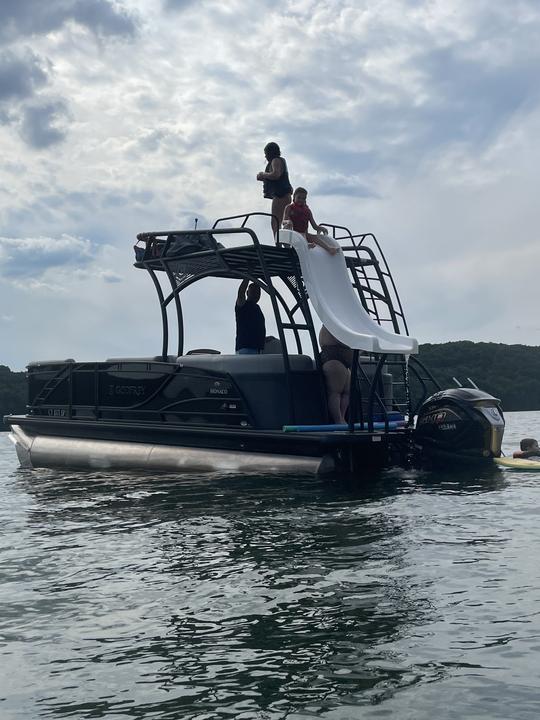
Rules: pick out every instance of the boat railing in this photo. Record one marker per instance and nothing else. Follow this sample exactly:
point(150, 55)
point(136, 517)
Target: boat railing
point(371, 277)
point(374, 284)
point(259, 263)
point(253, 261)
point(426, 382)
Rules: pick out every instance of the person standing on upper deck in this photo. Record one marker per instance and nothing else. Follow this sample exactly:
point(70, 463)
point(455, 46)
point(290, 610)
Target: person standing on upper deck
point(250, 325)
point(276, 183)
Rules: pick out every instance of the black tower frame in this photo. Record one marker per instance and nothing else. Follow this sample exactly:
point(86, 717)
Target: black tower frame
point(262, 264)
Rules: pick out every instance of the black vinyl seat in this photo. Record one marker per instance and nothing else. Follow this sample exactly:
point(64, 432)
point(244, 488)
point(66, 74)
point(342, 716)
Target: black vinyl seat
point(262, 381)
point(247, 364)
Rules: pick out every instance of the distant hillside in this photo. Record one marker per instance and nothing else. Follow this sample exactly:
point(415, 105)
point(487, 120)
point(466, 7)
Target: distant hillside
point(12, 393)
point(510, 372)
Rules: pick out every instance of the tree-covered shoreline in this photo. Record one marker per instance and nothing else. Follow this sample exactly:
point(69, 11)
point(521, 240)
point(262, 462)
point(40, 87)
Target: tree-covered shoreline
point(12, 393)
point(509, 372)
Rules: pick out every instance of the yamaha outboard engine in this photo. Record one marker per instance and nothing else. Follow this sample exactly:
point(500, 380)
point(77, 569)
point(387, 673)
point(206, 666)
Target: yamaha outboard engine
point(459, 424)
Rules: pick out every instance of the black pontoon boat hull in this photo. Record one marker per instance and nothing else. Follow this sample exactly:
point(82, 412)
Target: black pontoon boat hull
point(57, 452)
point(107, 445)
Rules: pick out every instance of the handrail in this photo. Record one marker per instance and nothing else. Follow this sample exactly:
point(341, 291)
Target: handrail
point(380, 265)
point(368, 267)
point(246, 216)
point(163, 260)
point(414, 364)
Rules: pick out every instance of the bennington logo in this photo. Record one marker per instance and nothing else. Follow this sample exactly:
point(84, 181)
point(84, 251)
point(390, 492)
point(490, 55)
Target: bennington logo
point(136, 390)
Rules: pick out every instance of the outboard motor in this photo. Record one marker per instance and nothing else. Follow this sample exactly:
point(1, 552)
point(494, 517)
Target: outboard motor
point(459, 424)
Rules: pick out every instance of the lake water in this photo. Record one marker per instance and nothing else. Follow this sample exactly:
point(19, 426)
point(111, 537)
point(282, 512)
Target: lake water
point(255, 597)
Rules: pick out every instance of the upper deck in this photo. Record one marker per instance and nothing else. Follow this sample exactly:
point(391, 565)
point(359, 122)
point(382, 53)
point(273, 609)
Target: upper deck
point(232, 249)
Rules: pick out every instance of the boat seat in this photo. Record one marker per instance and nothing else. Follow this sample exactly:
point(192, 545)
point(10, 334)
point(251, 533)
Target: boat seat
point(246, 364)
point(261, 381)
point(203, 351)
point(154, 358)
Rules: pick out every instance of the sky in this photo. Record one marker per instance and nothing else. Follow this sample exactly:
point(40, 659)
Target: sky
point(416, 120)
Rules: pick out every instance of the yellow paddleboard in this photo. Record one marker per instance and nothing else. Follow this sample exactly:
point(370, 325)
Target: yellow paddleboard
point(518, 464)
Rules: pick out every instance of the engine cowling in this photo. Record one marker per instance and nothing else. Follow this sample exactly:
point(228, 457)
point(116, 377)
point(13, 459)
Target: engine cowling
point(460, 424)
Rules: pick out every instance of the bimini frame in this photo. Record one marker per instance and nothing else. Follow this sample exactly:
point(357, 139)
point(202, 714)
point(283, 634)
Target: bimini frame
point(263, 264)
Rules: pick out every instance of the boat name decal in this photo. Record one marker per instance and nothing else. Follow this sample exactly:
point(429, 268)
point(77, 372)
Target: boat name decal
point(126, 390)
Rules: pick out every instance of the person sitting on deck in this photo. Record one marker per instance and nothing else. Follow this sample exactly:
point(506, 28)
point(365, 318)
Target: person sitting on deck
point(528, 449)
point(250, 325)
point(298, 215)
point(336, 360)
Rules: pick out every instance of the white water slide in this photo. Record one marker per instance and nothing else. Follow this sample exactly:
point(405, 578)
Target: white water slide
point(337, 304)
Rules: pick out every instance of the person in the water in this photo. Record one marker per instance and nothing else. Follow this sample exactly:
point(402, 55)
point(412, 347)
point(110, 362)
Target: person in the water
point(528, 448)
point(298, 217)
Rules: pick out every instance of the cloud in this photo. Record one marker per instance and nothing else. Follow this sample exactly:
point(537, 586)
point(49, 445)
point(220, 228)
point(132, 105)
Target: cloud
point(109, 276)
point(176, 5)
point(348, 186)
point(44, 125)
point(33, 257)
point(20, 75)
point(24, 72)
point(411, 119)
point(35, 17)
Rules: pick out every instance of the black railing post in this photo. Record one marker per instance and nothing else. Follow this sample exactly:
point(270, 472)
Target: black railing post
point(70, 391)
point(373, 394)
point(164, 321)
point(353, 397)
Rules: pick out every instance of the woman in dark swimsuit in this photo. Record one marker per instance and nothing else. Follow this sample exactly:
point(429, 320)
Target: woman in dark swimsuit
point(336, 359)
point(276, 184)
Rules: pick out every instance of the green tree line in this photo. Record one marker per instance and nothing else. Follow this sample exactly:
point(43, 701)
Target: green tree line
point(12, 393)
point(509, 372)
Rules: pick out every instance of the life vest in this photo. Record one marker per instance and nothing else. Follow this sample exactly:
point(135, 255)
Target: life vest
point(280, 187)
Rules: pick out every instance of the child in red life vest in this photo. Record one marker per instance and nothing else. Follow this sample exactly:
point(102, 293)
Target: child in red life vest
point(297, 216)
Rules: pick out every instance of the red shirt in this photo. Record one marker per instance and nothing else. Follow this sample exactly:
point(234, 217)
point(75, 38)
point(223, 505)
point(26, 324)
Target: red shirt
point(299, 216)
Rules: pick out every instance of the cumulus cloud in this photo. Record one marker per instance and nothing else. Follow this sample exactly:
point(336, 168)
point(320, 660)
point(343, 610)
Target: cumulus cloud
point(44, 124)
point(34, 17)
point(24, 72)
point(414, 120)
point(176, 5)
point(20, 75)
point(32, 257)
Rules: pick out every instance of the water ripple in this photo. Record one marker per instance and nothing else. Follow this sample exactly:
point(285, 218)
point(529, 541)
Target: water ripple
point(141, 596)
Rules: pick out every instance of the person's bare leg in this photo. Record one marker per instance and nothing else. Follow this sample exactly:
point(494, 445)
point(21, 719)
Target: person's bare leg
point(321, 241)
point(344, 400)
point(337, 382)
point(278, 208)
point(334, 409)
